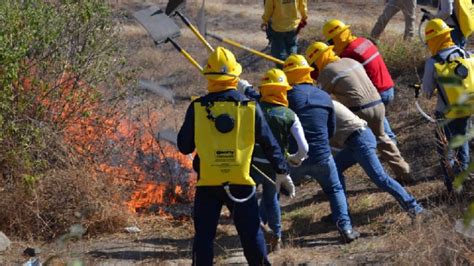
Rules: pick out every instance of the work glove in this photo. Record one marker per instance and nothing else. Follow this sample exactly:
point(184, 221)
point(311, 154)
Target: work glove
point(294, 160)
point(285, 181)
point(264, 26)
point(301, 25)
point(243, 85)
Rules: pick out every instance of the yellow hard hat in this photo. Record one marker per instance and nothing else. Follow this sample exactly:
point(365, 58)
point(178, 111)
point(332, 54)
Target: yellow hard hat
point(222, 65)
point(333, 28)
point(295, 62)
point(435, 27)
point(315, 50)
point(275, 78)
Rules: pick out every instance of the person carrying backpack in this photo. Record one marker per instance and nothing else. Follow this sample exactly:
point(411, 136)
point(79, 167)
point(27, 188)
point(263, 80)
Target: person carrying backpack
point(458, 15)
point(223, 127)
point(450, 71)
point(362, 50)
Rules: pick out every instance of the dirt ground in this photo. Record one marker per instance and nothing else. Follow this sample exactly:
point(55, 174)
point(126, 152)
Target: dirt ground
point(385, 230)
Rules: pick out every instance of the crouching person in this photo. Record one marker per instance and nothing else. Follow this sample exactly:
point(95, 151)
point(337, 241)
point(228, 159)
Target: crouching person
point(283, 123)
point(359, 145)
point(223, 127)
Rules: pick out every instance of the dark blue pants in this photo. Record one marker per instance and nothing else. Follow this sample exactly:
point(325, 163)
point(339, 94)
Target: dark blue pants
point(283, 44)
point(207, 208)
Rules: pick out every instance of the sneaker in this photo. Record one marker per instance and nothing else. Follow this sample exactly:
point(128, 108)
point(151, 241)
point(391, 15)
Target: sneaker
point(422, 217)
point(348, 235)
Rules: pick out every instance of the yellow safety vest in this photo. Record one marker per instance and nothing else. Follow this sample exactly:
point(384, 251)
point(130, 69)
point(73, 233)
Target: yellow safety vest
point(457, 91)
point(225, 157)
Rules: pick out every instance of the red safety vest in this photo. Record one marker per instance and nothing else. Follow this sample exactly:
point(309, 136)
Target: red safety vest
point(366, 53)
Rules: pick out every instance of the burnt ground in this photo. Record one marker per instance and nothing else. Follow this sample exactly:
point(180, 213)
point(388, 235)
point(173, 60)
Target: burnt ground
point(388, 236)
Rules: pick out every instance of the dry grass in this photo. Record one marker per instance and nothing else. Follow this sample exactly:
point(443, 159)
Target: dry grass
point(60, 199)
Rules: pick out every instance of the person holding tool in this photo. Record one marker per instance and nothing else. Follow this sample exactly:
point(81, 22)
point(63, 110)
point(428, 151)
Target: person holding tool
point(450, 72)
point(284, 124)
point(282, 20)
point(316, 112)
point(339, 34)
point(235, 124)
point(349, 84)
point(408, 8)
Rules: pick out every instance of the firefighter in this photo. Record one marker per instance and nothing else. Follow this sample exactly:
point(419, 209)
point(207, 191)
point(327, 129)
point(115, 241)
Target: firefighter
point(339, 34)
point(284, 124)
point(282, 19)
point(315, 110)
point(358, 146)
point(349, 84)
point(450, 72)
point(222, 127)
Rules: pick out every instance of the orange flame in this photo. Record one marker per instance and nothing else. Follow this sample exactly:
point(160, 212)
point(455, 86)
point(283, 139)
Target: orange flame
point(123, 148)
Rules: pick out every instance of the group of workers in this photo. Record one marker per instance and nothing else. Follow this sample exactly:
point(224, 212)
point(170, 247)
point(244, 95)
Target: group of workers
point(289, 128)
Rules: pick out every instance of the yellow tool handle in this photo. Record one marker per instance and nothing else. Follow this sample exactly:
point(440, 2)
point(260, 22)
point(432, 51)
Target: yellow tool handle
point(191, 59)
point(248, 49)
point(195, 31)
point(185, 54)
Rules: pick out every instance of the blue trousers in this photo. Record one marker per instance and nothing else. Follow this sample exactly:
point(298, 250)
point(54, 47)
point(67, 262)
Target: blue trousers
point(283, 44)
point(387, 97)
point(269, 207)
point(325, 173)
point(207, 208)
point(458, 37)
point(457, 159)
point(361, 148)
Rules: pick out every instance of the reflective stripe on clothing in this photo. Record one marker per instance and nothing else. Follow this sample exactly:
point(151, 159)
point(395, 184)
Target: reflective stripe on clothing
point(365, 52)
point(370, 58)
point(344, 73)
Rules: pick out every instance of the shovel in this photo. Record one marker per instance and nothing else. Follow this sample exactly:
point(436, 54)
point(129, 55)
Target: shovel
point(162, 29)
point(172, 9)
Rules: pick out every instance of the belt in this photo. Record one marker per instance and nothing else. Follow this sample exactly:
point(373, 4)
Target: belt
point(365, 106)
point(355, 133)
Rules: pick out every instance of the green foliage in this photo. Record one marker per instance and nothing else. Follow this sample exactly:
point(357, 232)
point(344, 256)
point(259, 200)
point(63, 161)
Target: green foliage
point(53, 57)
point(398, 54)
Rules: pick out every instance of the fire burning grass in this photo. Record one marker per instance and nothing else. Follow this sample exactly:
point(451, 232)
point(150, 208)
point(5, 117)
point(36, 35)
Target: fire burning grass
point(127, 149)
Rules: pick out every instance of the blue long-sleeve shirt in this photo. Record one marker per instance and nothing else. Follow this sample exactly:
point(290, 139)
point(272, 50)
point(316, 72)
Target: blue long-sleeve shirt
point(315, 110)
point(263, 133)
